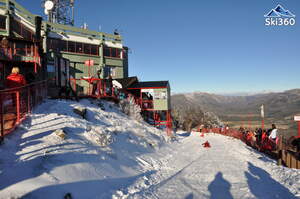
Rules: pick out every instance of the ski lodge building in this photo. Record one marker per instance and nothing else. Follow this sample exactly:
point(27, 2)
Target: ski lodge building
point(53, 56)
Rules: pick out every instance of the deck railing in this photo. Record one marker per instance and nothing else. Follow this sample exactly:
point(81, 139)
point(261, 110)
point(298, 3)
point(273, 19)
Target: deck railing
point(16, 103)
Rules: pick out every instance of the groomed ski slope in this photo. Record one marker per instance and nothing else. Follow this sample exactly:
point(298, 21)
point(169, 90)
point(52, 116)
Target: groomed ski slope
point(138, 162)
point(229, 169)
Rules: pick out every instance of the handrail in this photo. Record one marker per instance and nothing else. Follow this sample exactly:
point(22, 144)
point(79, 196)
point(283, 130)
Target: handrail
point(16, 103)
point(21, 87)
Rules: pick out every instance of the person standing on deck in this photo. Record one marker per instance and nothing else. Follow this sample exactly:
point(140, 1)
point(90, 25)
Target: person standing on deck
point(273, 134)
point(15, 79)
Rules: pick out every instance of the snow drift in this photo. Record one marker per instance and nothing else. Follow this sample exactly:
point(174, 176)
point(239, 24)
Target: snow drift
point(93, 158)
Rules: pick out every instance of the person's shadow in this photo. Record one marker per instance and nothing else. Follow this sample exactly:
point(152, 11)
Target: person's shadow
point(219, 188)
point(263, 186)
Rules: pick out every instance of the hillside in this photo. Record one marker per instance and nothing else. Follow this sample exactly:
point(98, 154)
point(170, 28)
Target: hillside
point(108, 155)
point(98, 156)
point(280, 106)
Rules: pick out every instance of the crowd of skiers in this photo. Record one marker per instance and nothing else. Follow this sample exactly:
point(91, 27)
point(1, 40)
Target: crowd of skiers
point(261, 138)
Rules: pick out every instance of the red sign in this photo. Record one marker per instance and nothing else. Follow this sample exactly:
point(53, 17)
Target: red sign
point(89, 62)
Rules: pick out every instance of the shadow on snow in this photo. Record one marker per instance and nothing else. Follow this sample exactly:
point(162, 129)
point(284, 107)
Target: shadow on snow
point(220, 188)
point(263, 186)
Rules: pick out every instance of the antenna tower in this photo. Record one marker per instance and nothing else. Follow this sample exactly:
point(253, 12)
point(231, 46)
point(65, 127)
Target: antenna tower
point(59, 11)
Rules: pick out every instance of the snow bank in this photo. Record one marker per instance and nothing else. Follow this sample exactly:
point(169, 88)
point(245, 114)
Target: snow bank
point(107, 155)
point(97, 156)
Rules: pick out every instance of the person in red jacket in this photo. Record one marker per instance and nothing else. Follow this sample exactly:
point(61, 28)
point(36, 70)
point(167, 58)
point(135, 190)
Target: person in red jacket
point(15, 79)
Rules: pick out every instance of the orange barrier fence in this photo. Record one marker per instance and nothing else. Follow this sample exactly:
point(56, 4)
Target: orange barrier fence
point(262, 143)
point(16, 103)
point(280, 149)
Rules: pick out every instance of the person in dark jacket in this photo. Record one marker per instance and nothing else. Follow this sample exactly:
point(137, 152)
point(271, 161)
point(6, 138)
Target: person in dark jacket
point(15, 79)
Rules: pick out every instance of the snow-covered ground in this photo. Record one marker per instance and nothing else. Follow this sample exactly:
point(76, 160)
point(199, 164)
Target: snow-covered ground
point(108, 155)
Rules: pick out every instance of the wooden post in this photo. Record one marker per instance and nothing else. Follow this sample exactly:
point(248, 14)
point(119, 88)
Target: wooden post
point(279, 151)
point(18, 106)
point(288, 161)
point(283, 157)
point(293, 162)
point(298, 129)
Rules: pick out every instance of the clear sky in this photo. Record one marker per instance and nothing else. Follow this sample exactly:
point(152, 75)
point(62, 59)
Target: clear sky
point(210, 46)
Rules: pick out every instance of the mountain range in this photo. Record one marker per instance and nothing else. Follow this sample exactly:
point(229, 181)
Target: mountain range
point(278, 106)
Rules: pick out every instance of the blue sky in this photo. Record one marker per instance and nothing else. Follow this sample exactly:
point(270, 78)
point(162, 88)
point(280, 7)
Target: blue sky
point(211, 46)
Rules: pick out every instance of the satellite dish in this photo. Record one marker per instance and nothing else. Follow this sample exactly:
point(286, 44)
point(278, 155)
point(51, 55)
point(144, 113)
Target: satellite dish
point(46, 12)
point(49, 5)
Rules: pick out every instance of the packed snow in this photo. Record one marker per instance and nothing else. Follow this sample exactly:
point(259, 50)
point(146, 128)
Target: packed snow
point(56, 152)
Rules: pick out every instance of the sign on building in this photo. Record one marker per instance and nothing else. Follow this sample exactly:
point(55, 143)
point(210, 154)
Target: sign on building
point(89, 62)
point(297, 117)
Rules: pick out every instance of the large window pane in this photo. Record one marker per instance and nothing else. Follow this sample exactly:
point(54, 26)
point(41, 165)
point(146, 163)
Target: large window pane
point(2, 22)
point(87, 48)
point(94, 50)
point(29, 50)
point(71, 46)
point(113, 52)
point(79, 47)
point(119, 51)
point(26, 33)
point(20, 49)
point(106, 52)
point(63, 45)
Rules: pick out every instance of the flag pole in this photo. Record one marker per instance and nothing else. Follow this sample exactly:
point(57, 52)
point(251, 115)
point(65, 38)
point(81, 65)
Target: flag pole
point(262, 113)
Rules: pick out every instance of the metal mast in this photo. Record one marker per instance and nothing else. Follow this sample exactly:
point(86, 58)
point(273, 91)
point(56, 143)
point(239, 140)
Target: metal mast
point(62, 12)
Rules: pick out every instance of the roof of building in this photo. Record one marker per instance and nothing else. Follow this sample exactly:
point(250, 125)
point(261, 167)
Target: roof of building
point(150, 84)
point(128, 81)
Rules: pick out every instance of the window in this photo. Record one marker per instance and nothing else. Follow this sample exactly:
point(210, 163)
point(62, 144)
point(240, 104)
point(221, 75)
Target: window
point(86, 48)
point(21, 30)
point(109, 71)
point(112, 52)
point(2, 22)
point(94, 50)
point(26, 34)
point(63, 45)
point(79, 47)
point(20, 49)
point(71, 46)
point(53, 44)
point(15, 26)
point(106, 52)
point(29, 50)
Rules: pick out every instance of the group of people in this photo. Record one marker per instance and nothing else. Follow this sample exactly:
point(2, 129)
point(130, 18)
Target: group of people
point(261, 138)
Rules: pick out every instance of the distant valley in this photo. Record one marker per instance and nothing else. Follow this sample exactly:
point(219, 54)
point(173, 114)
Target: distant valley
point(244, 110)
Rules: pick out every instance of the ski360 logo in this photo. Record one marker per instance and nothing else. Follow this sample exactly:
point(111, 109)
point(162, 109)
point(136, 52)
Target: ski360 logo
point(280, 17)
